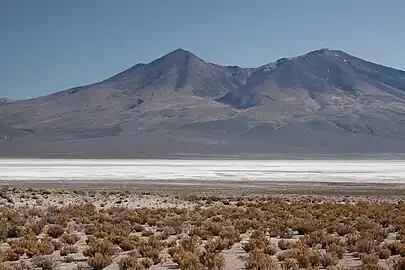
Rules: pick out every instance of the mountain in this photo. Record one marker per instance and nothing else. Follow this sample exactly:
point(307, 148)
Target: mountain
point(4, 101)
point(325, 101)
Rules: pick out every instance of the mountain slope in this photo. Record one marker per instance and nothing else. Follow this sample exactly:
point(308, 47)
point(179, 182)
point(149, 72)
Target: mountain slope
point(4, 101)
point(326, 101)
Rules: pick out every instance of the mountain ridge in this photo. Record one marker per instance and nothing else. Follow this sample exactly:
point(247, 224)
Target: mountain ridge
point(323, 101)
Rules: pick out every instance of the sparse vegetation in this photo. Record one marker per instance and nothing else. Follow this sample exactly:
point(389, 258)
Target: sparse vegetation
point(303, 233)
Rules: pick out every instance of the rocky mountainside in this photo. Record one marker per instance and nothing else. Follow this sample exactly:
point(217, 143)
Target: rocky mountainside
point(326, 101)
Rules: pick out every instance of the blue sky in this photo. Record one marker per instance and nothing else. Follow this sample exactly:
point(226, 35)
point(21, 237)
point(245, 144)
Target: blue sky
point(48, 46)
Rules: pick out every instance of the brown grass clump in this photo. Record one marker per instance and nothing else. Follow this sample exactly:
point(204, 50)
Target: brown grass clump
point(130, 263)
point(284, 244)
point(103, 247)
point(44, 262)
point(55, 230)
point(69, 239)
point(69, 249)
point(259, 260)
point(398, 264)
point(366, 246)
point(4, 267)
point(187, 260)
point(98, 261)
point(259, 241)
point(396, 248)
point(370, 259)
point(11, 255)
point(327, 260)
point(384, 253)
point(150, 249)
point(127, 245)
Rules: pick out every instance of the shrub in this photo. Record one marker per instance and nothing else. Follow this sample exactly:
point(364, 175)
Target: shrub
point(129, 263)
point(370, 259)
point(366, 246)
point(11, 255)
point(69, 239)
point(44, 262)
point(68, 259)
point(21, 265)
point(398, 264)
point(104, 247)
point(259, 260)
point(328, 260)
point(212, 260)
point(81, 267)
point(396, 248)
point(98, 261)
point(127, 245)
point(284, 245)
point(187, 260)
point(66, 250)
point(384, 253)
point(55, 231)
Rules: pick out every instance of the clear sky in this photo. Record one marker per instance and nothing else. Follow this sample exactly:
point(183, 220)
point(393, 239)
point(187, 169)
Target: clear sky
point(48, 45)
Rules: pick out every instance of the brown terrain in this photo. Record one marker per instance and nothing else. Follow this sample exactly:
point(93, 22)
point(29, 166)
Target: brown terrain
point(88, 226)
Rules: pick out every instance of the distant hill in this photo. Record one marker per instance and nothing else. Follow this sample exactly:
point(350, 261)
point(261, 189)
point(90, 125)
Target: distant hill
point(325, 101)
point(4, 100)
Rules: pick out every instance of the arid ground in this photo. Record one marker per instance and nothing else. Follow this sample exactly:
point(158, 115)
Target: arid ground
point(197, 225)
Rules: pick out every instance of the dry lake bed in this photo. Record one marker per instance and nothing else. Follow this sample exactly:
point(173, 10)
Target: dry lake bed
point(332, 171)
point(202, 214)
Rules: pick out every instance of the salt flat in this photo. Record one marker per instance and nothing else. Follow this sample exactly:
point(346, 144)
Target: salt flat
point(337, 171)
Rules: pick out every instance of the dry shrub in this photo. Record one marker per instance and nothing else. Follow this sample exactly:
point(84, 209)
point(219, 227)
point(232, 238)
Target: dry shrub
point(30, 245)
point(190, 243)
point(81, 266)
point(98, 261)
point(231, 235)
point(335, 250)
point(384, 253)
point(210, 260)
point(68, 259)
point(290, 263)
point(127, 245)
point(21, 265)
point(66, 250)
point(259, 260)
point(146, 262)
point(11, 255)
point(282, 256)
point(129, 263)
point(398, 264)
point(103, 247)
point(345, 229)
point(150, 249)
point(44, 262)
point(372, 267)
point(327, 260)
point(187, 260)
point(284, 244)
point(55, 230)
point(396, 248)
point(69, 239)
point(370, 259)
point(259, 241)
point(303, 255)
point(366, 246)
point(147, 232)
